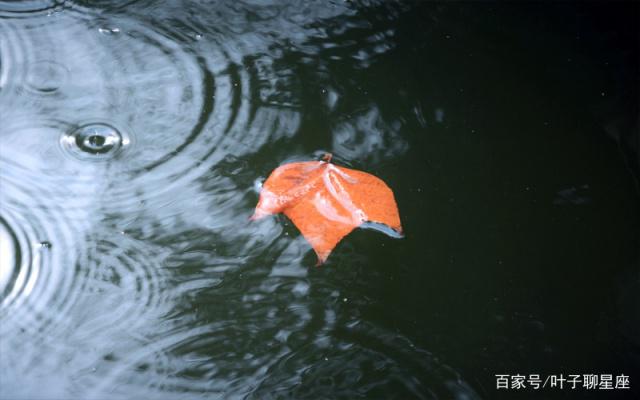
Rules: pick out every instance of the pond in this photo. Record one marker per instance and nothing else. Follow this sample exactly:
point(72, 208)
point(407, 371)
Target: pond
point(134, 139)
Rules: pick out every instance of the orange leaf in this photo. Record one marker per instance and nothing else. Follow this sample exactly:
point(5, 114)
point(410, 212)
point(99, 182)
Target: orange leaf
point(326, 202)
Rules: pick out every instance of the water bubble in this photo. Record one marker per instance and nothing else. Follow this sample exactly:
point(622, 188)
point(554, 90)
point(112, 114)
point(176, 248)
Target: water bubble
point(94, 141)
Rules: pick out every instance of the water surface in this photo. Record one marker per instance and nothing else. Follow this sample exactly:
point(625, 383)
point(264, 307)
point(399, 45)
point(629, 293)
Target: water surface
point(134, 136)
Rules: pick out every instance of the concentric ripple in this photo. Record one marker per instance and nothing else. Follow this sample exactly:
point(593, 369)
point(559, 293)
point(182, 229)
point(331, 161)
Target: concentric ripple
point(66, 288)
point(185, 95)
point(9, 258)
point(123, 278)
point(40, 232)
point(29, 8)
point(184, 111)
point(15, 259)
point(125, 186)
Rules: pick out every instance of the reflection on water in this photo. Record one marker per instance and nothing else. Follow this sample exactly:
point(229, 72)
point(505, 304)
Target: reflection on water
point(122, 142)
point(133, 137)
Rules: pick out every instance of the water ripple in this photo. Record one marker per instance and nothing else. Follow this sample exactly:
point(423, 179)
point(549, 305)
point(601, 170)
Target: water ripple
point(43, 233)
point(129, 268)
point(182, 112)
point(29, 8)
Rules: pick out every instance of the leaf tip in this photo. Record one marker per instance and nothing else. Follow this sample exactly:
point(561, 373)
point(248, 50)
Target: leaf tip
point(322, 257)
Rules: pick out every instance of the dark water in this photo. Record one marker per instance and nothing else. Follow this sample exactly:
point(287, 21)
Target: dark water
point(134, 136)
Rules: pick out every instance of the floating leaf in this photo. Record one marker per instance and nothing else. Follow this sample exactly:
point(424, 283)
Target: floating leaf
point(326, 202)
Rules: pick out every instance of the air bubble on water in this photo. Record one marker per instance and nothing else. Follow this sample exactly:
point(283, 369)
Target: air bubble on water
point(94, 141)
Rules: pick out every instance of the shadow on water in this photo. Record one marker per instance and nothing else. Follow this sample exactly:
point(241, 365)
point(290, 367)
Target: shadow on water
point(133, 139)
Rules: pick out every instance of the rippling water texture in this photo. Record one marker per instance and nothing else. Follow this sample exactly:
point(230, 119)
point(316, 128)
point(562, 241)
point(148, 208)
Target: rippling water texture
point(133, 139)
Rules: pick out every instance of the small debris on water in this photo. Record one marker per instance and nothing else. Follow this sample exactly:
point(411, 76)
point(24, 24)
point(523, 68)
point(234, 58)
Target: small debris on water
point(109, 31)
